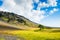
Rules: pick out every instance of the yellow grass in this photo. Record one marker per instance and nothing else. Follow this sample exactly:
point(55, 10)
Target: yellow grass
point(31, 35)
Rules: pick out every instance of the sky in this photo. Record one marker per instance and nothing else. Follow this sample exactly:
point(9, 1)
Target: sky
point(45, 12)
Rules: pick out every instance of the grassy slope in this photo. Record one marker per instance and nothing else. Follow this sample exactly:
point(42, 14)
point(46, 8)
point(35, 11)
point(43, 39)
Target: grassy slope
point(7, 25)
point(17, 20)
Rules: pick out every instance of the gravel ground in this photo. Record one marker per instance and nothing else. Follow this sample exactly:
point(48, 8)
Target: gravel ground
point(10, 37)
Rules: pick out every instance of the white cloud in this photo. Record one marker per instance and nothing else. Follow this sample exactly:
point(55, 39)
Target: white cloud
point(51, 3)
point(23, 7)
point(53, 11)
point(36, 1)
point(38, 15)
point(2, 9)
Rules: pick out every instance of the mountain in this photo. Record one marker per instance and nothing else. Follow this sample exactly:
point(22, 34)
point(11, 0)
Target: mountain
point(18, 20)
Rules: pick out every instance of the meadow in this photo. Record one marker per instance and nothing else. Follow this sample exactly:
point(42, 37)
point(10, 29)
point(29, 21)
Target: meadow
point(33, 35)
point(30, 33)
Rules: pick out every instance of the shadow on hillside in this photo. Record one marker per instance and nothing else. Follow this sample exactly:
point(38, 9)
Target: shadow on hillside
point(8, 28)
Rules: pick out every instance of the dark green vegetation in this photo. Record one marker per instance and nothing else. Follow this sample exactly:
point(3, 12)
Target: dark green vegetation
point(41, 27)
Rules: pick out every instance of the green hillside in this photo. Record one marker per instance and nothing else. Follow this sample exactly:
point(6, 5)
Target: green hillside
point(17, 20)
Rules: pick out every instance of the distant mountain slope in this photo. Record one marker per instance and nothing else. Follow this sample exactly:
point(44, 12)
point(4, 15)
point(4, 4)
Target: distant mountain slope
point(15, 19)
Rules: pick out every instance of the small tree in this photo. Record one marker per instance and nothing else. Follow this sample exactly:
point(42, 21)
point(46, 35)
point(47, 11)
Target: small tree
point(41, 27)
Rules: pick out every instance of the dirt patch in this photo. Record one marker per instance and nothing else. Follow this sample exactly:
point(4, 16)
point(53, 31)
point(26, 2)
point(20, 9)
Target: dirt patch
point(10, 37)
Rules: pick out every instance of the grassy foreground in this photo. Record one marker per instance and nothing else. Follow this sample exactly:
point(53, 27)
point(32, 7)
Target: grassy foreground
point(32, 35)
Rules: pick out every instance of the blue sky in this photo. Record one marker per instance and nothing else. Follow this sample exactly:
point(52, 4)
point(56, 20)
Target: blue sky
point(51, 20)
point(46, 12)
point(1, 2)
